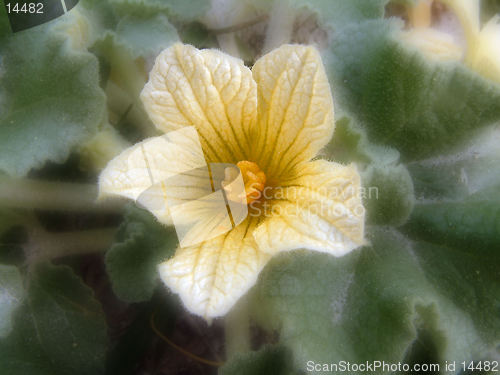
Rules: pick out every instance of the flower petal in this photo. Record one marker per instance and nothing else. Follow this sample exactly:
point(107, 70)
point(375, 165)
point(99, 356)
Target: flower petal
point(468, 13)
point(320, 209)
point(141, 167)
point(208, 89)
point(212, 276)
point(434, 44)
point(295, 108)
point(484, 55)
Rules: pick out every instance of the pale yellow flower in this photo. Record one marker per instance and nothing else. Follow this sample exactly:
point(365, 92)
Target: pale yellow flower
point(483, 43)
point(434, 44)
point(481, 51)
point(271, 121)
point(484, 56)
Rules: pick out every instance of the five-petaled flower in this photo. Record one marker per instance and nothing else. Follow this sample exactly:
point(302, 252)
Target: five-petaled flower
point(271, 121)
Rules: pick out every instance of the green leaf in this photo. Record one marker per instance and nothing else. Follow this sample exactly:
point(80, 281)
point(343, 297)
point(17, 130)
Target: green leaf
point(334, 13)
point(337, 13)
point(459, 196)
point(186, 10)
point(489, 8)
point(267, 361)
point(470, 281)
point(464, 172)
point(350, 144)
point(142, 243)
point(388, 194)
point(146, 36)
point(9, 218)
point(128, 75)
point(11, 238)
point(302, 294)
point(50, 99)
point(4, 22)
point(420, 107)
point(60, 328)
point(387, 186)
point(179, 10)
point(377, 303)
point(11, 294)
point(90, 18)
point(473, 226)
point(198, 35)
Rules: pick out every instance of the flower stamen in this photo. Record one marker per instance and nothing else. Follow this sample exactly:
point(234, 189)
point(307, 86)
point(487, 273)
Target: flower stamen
point(254, 179)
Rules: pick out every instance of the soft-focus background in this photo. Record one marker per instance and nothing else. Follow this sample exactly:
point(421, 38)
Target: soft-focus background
point(416, 86)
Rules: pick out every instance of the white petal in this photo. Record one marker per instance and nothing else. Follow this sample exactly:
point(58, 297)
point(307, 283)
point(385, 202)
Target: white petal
point(153, 160)
point(434, 44)
point(207, 89)
point(484, 56)
point(212, 276)
point(295, 108)
point(319, 209)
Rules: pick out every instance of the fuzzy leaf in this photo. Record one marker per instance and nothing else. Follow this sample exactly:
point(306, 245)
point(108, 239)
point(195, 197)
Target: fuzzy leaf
point(93, 17)
point(459, 196)
point(473, 226)
point(4, 23)
point(377, 303)
point(418, 106)
point(59, 329)
point(11, 294)
point(146, 36)
point(142, 243)
point(267, 361)
point(50, 99)
point(388, 194)
point(470, 281)
point(350, 144)
point(387, 186)
point(179, 10)
point(337, 13)
point(9, 218)
point(468, 171)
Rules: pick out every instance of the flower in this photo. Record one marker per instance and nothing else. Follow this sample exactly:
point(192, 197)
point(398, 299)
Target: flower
point(481, 51)
point(434, 44)
point(271, 121)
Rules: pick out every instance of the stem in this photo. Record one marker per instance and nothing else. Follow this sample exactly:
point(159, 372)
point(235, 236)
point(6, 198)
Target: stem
point(226, 35)
point(221, 14)
point(280, 27)
point(48, 195)
point(127, 74)
point(45, 245)
point(104, 146)
point(124, 106)
point(179, 348)
point(420, 14)
point(237, 330)
point(227, 43)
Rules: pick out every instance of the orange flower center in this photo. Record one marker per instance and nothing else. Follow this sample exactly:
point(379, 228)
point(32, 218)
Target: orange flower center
point(254, 179)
